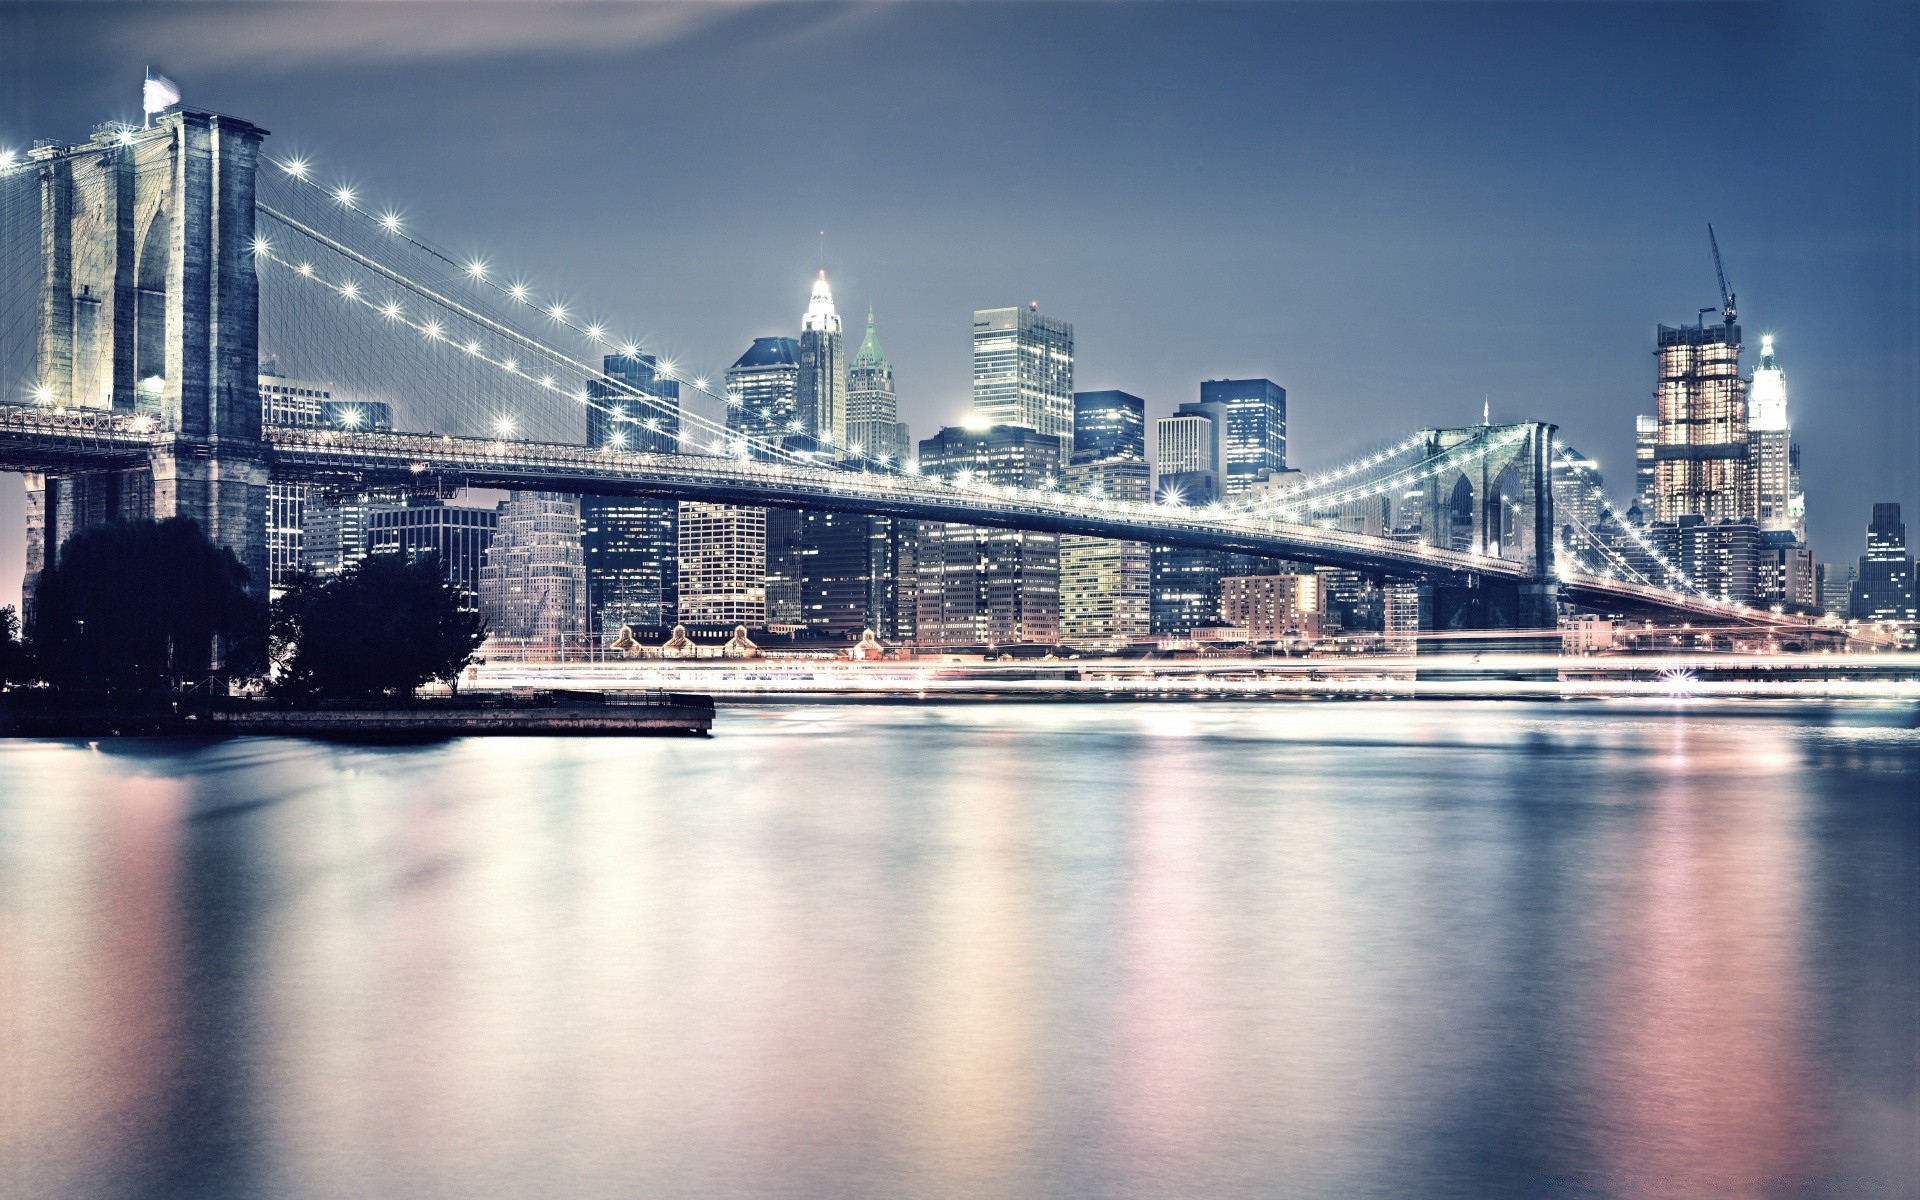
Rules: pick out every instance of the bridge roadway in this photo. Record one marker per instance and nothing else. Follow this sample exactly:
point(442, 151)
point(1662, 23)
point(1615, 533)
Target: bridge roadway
point(324, 456)
point(42, 439)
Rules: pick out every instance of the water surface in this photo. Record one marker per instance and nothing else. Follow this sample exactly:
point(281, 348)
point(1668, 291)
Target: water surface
point(1020, 950)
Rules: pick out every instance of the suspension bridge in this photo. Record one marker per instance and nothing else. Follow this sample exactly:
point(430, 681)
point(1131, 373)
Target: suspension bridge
point(146, 269)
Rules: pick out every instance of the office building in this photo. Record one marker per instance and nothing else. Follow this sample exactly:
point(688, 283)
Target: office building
point(748, 557)
point(533, 585)
point(1785, 575)
point(723, 565)
point(988, 587)
point(1273, 607)
point(1835, 589)
point(820, 395)
point(336, 530)
point(1701, 456)
point(1107, 425)
point(1646, 435)
point(1106, 586)
point(849, 572)
point(1185, 445)
point(458, 536)
point(1023, 372)
point(294, 402)
point(1721, 557)
point(763, 387)
point(630, 545)
point(1255, 429)
point(873, 414)
point(1772, 455)
point(1883, 590)
point(1576, 485)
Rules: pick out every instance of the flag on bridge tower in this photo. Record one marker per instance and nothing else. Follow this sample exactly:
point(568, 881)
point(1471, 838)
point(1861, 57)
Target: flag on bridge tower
point(160, 94)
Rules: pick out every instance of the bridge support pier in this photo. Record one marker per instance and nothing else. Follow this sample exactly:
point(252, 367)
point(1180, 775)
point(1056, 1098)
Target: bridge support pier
point(1489, 617)
point(150, 303)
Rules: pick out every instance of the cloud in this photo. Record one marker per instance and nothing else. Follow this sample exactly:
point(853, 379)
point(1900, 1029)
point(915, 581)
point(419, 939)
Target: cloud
point(214, 35)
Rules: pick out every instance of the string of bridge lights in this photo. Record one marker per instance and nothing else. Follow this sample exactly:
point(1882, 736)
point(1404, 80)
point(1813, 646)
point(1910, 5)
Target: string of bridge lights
point(1294, 492)
point(479, 273)
point(473, 348)
point(1461, 455)
point(435, 331)
point(1672, 570)
point(1286, 505)
point(1047, 493)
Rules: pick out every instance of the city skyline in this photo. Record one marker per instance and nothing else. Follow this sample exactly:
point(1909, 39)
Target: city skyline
point(1812, 270)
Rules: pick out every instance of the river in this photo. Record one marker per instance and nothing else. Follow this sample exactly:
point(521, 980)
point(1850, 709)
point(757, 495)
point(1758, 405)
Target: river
point(1472, 949)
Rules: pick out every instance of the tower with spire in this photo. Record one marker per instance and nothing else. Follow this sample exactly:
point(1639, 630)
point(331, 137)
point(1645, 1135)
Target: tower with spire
point(822, 396)
point(1778, 503)
point(873, 426)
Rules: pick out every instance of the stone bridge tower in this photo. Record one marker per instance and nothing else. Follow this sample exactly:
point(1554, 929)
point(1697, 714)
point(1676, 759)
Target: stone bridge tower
point(1498, 503)
point(149, 307)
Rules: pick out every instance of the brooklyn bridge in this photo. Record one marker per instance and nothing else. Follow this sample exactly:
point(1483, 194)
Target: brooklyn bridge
point(142, 267)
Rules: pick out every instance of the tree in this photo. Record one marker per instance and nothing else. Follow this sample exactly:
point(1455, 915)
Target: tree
point(11, 656)
point(146, 606)
point(383, 628)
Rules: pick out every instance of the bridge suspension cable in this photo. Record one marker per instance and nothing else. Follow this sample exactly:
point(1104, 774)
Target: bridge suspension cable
point(476, 273)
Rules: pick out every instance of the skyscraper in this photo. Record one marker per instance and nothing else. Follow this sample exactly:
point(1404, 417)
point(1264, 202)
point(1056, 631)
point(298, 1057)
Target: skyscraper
point(1773, 457)
point(748, 558)
point(1883, 590)
point(533, 586)
point(977, 586)
point(763, 395)
point(873, 416)
point(723, 565)
point(1646, 435)
point(1023, 371)
point(1106, 585)
point(294, 402)
point(1256, 429)
point(1186, 444)
point(1109, 424)
point(849, 566)
point(631, 544)
point(459, 536)
point(1701, 457)
point(821, 396)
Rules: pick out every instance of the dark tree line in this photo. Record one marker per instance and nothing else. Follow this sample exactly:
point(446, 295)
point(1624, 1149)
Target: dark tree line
point(156, 606)
point(146, 606)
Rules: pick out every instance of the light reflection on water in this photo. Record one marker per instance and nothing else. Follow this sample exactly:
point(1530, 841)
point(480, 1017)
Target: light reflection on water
point(975, 950)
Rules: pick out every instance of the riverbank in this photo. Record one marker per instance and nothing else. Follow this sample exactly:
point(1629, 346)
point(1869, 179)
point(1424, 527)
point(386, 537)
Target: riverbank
point(522, 712)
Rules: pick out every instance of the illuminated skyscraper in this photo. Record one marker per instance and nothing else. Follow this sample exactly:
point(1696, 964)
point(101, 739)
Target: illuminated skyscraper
point(820, 399)
point(1646, 435)
point(1106, 585)
point(294, 402)
point(1701, 458)
point(1023, 371)
point(631, 544)
point(723, 565)
point(1884, 588)
point(873, 416)
point(763, 395)
point(1774, 458)
point(533, 585)
point(751, 567)
point(1256, 429)
point(1109, 424)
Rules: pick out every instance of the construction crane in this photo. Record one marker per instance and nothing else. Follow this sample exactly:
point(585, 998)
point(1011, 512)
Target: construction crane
point(1727, 310)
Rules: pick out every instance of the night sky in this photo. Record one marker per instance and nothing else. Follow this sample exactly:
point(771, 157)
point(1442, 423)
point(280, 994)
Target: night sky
point(1391, 210)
